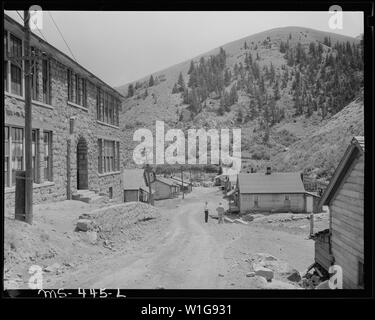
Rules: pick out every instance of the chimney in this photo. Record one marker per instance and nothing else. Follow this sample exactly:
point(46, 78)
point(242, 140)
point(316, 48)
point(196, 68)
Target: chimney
point(268, 170)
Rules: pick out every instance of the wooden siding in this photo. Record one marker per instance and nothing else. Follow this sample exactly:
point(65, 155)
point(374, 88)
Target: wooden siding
point(347, 225)
point(272, 202)
point(322, 255)
point(162, 190)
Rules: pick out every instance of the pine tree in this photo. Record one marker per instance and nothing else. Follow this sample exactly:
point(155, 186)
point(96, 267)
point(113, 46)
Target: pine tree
point(233, 96)
point(272, 73)
point(130, 90)
point(276, 92)
point(181, 83)
point(191, 67)
point(227, 77)
point(266, 119)
point(175, 89)
point(151, 82)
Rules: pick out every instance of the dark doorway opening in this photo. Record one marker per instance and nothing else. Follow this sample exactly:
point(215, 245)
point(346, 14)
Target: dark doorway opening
point(82, 166)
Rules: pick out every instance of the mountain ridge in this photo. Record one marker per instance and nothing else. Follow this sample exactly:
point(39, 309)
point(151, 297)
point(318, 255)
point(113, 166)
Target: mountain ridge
point(279, 77)
point(121, 88)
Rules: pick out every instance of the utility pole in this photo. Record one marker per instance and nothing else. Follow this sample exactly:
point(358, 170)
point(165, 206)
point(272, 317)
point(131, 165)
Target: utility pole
point(28, 124)
point(182, 183)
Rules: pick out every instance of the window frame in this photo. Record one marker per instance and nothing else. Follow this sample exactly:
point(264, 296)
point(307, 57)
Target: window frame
point(118, 156)
point(100, 155)
point(35, 79)
point(77, 88)
point(10, 35)
point(7, 168)
point(35, 155)
point(46, 81)
point(12, 181)
point(107, 107)
point(108, 156)
point(48, 160)
point(6, 63)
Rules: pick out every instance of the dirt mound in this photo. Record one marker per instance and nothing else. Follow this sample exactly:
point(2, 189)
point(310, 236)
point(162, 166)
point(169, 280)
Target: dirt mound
point(123, 222)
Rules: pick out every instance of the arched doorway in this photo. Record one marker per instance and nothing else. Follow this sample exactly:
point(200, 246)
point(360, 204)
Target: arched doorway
point(82, 167)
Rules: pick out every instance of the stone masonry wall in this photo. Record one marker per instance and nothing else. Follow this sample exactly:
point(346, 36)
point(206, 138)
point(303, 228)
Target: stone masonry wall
point(56, 118)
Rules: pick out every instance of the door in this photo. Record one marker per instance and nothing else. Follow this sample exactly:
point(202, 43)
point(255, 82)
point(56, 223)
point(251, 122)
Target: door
point(82, 167)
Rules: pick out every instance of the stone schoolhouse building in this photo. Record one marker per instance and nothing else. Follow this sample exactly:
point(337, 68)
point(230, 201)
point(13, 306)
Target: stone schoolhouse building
point(75, 119)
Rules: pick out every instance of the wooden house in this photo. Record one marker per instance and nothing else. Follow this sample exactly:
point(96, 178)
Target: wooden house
point(272, 192)
point(185, 185)
point(343, 243)
point(134, 185)
point(165, 188)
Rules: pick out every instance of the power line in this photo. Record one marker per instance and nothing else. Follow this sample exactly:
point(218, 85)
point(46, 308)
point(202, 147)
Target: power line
point(53, 20)
point(20, 15)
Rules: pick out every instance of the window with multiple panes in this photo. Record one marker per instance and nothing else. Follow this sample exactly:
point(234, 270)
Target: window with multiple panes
point(47, 142)
point(6, 82)
point(108, 156)
point(118, 156)
point(16, 151)
point(13, 74)
point(107, 107)
point(6, 157)
point(46, 81)
point(14, 154)
point(15, 50)
point(100, 156)
point(99, 104)
point(34, 80)
point(70, 86)
point(77, 89)
point(35, 154)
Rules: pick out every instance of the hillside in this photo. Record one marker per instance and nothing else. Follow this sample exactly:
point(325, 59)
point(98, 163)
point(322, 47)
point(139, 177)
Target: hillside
point(268, 84)
point(318, 149)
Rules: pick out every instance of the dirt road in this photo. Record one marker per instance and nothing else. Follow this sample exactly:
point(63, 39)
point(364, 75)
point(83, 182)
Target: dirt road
point(186, 253)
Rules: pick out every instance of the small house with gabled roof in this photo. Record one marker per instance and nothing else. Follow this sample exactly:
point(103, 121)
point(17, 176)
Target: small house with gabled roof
point(165, 188)
point(272, 192)
point(344, 240)
point(134, 185)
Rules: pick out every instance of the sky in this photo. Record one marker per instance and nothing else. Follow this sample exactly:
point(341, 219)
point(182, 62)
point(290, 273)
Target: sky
point(121, 47)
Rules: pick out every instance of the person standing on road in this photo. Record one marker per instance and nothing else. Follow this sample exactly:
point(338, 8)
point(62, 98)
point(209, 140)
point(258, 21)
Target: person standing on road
point(220, 212)
point(206, 212)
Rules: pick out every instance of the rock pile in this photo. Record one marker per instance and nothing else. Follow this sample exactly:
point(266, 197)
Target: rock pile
point(118, 222)
point(273, 269)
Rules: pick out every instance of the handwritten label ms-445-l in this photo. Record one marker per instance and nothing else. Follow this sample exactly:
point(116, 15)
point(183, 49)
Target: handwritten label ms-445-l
point(81, 293)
